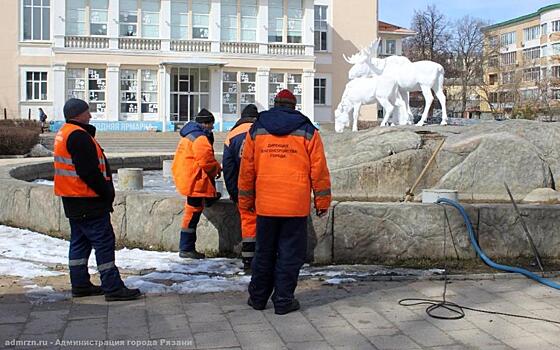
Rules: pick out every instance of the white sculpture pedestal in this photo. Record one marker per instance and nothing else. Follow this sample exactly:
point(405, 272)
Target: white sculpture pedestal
point(167, 169)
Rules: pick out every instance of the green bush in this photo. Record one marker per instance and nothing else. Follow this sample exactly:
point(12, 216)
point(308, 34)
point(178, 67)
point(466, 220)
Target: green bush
point(17, 137)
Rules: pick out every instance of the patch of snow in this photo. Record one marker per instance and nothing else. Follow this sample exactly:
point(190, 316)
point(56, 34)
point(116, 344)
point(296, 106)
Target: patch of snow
point(25, 269)
point(184, 284)
point(337, 281)
point(46, 294)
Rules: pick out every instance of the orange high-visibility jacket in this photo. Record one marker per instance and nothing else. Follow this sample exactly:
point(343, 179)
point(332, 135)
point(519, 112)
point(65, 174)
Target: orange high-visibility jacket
point(67, 183)
point(194, 164)
point(283, 160)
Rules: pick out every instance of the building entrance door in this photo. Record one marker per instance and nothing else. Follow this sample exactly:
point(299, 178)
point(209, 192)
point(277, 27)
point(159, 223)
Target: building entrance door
point(189, 92)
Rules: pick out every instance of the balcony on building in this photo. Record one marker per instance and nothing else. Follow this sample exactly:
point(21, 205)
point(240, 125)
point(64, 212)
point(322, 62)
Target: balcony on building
point(226, 27)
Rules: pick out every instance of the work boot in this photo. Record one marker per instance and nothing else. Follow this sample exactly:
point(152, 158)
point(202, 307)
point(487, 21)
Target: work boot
point(210, 201)
point(293, 306)
point(255, 306)
point(79, 292)
point(123, 294)
point(191, 255)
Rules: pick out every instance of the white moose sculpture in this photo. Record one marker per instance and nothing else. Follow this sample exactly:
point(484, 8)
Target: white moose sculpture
point(365, 90)
point(422, 76)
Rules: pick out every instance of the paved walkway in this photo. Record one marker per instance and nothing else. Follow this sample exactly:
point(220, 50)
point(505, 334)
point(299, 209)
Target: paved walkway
point(363, 315)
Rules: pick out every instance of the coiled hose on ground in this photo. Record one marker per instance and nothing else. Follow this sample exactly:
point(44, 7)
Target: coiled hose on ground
point(486, 259)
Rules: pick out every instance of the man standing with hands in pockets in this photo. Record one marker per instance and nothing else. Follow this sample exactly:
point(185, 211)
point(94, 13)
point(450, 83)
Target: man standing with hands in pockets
point(283, 161)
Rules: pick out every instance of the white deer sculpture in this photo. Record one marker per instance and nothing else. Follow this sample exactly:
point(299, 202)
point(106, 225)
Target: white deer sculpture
point(363, 91)
point(422, 76)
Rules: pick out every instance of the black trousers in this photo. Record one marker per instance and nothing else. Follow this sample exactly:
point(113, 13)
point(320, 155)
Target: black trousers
point(279, 255)
point(96, 233)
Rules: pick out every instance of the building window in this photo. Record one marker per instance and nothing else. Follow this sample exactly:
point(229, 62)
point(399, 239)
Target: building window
point(275, 20)
point(493, 79)
point(146, 87)
point(280, 81)
point(531, 33)
point(150, 18)
point(321, 28)
point(128, 18)
point(200, 18)
point(179, 20)
point(493, 41)
point(243, 12)
point(36, 20)
point(509, 58)
point(493, 61)
point(98, 17)
point(493, 97)
point(36, 83)
point(555, 26)
point(295, 21)
point(76, 17)
point(531, 74)
point(77, 21)
point(508, 38)
point(532, 53)
point(280, 11)
point(544, 29)
point(90, 89)
point(239, 90)
point(529, 94)
point(555, 94)
point(555, 72)
point(320, 95)
point(556, 49)
point(129, 91)
point(391, 47)
point(507, 77)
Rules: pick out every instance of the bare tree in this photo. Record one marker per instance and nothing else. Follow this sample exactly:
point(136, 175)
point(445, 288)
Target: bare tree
point(432, 39)
point(467, 46)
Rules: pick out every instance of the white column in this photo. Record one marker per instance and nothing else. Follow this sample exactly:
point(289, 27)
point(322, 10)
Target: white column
point(113, 93)
point(307, 103)
point(165, 25)
point(59, 96)
point(214, 25)
point(261, 96)
point(262, 27)
point(163, 96)
point(308, 27)
point(58, 11)
point(216, 94)
point(113, 24)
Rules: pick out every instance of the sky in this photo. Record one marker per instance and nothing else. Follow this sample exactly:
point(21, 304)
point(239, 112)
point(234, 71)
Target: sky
point(400, 12)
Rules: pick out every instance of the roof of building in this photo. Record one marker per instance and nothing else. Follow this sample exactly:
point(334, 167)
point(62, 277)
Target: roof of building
point(522, 18)
point(385, 27)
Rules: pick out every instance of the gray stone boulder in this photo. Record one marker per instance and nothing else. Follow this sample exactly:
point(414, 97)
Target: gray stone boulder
point(380, 164)
point(543, 196)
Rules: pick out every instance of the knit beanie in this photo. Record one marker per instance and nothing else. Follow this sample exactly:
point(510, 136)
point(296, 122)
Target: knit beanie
point(285, 96)
point(204, 116)
point(74, 107)
point(250, 111)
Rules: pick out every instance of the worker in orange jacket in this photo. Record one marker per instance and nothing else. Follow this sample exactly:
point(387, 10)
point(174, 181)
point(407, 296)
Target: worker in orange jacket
point(194, 170)
point(283, 161)
point(233, 148)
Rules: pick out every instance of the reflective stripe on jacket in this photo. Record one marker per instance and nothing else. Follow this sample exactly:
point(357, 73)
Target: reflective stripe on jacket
point(194, 166)
point(278, 172)
point(67, 183)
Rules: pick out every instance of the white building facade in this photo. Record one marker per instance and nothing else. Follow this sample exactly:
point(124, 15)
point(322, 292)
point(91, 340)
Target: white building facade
point(146, 63)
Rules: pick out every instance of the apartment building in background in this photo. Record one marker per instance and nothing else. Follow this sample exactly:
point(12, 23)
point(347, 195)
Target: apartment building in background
point(392, 37)
point(522, 61)
point(140, 63)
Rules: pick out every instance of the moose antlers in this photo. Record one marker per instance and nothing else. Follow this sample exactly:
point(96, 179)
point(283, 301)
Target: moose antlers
point(364, 53)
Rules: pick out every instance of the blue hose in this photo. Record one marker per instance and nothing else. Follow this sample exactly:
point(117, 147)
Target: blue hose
point(483, 256)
